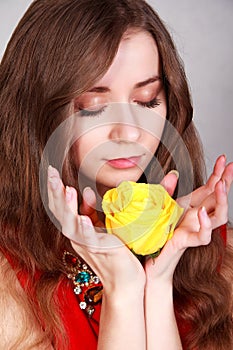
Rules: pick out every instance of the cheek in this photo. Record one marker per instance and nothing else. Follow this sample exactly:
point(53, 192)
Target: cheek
point(153, 132)
point(153, 143)
point(86, 149)
point(79, 150)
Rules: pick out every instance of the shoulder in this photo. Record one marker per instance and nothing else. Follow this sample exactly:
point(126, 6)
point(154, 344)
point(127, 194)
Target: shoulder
point(19, 327)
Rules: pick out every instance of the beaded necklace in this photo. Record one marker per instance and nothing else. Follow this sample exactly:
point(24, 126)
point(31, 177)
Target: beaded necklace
point(87, 286)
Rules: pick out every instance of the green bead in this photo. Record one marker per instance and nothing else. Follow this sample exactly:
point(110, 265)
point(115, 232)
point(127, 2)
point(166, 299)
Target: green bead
point(83, 277)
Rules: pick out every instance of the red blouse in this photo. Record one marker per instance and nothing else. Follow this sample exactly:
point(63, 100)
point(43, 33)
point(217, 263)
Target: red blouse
point(83, 331)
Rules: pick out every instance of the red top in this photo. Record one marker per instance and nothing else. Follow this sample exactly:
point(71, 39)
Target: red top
point(83, 331)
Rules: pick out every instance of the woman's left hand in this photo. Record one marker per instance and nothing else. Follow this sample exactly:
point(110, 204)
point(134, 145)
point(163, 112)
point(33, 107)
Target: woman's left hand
point(207, 210)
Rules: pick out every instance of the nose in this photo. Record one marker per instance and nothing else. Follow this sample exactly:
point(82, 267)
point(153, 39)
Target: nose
point(122, 132)
point(125, 126)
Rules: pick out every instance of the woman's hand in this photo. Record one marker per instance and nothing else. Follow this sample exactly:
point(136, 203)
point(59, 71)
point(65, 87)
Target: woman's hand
point(111, 260)
point(206, 209)
point(122, 322)
point(222, 171)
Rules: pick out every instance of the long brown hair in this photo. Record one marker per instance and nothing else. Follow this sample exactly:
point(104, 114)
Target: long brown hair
point(59, 50)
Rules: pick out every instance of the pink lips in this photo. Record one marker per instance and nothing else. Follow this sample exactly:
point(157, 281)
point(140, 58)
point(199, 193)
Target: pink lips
point(124, 163)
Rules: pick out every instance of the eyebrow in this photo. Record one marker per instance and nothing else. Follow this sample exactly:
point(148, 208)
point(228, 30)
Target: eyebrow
point(104, 89)
point(147, 82)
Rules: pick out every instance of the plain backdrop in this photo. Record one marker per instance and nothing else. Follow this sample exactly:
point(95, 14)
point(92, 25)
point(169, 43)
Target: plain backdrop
point(203, 33)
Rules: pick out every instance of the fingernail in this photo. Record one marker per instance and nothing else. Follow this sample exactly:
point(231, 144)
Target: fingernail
point(53, 181)
point(53, 177)
point(68, 194)
point(204, 212)
point(52, 171)
point(175, 172)
point(88, 194)
point(224, 156)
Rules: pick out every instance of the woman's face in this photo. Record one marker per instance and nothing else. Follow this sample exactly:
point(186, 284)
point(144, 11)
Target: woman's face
point(121, 118)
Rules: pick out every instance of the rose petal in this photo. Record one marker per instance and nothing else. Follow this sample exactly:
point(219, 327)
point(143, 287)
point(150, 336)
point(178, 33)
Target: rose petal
point(143, 216)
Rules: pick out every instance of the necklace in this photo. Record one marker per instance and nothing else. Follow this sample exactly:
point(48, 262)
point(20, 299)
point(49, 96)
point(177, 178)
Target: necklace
point(87, 286)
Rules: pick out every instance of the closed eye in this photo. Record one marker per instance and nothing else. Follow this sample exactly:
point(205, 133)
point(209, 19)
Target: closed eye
point(150, 104)
point(91, 113)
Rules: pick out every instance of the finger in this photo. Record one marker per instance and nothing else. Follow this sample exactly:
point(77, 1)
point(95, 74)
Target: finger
point(88, 207)
point(202, 192)
point(217, 173)
point(84, 241)
point(227, 176)
point(209, 203)
point(89, 236)
point(70, 220)
point(89, 202)
point(205, 232)
point(55, 193)
point(184, 239)
point(169, 181)
point(97, 242)
point(220, 215)
point(72, 199)
point(55, 184)
point(79, 229)
point(203, 236)
point(216, 204)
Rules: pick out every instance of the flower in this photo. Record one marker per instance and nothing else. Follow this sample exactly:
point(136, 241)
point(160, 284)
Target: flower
point(143, 216)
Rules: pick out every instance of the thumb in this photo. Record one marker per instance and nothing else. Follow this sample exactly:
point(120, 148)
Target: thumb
point(169, 181)
point(88, 206)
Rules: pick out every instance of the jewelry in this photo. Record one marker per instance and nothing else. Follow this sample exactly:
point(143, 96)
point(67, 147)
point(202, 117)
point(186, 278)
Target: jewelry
point(86, 284)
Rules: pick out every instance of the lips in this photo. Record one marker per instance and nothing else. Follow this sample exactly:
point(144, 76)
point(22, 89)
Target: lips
point(124, 163)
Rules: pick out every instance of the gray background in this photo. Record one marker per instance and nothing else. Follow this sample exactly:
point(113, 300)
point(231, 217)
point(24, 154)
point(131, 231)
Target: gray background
point(203, 32)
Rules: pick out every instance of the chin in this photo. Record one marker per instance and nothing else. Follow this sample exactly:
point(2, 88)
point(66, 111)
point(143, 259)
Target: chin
point(115, 182)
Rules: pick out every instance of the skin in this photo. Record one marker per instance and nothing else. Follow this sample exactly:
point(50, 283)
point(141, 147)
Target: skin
point(147, 302)
point(119, 129)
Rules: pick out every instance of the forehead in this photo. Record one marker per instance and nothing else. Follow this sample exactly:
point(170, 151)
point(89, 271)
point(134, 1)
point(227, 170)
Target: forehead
point(137, 57)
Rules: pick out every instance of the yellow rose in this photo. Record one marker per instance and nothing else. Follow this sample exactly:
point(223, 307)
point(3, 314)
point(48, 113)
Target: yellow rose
point(143, 216)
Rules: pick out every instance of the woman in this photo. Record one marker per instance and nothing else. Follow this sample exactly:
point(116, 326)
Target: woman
point(59, 59)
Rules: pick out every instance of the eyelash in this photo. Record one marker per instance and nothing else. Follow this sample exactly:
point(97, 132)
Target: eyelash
point(88, 113)
point(150, 104)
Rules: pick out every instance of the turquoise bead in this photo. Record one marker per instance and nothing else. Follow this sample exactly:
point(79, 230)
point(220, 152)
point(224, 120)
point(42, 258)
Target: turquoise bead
point(82, 277)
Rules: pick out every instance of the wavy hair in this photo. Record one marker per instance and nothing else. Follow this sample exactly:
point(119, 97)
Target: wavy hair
point(59, 49)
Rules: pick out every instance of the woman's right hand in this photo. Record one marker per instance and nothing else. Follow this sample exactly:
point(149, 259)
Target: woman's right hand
point(117, 268)
point(122, 322)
